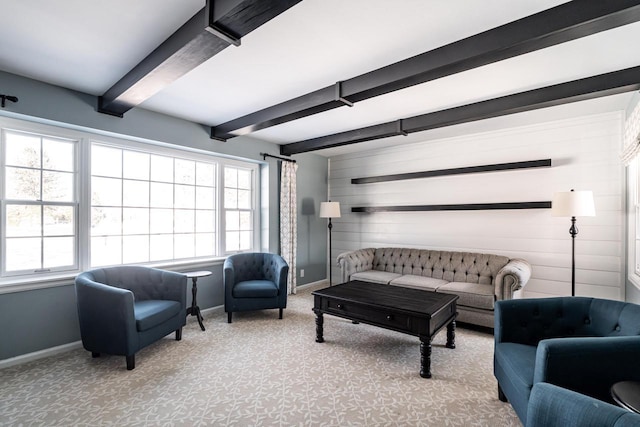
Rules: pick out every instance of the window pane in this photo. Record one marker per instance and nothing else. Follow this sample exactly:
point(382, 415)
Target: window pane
point(58, 155)
point(106, 221)
point(185, 171)
point(185, 196)
point(244, 199)
point(205, 244)
point(232, 220)
point(161, 247)
point(244, 179)
point(135, 221)
point(185, 221)
point(106, 161)
point(205, 221)
point(106, 250)
point(58, 221)
point(230, 177)
point(161, 168)
point(161, 221)
point(135, 193)
point(205, 197)
point(58, 252)
point(232, 241)
point(135, 249)
point(205, 174)
point(245, 221)
point(57, 186)
point(23, 221)
point(22, 184)
point(135, 165)
point(161, 195)
point(23, 254)
point(22, 150)
point(185, 246)
point(245, 240)
point(230, 198)
point(106, 191)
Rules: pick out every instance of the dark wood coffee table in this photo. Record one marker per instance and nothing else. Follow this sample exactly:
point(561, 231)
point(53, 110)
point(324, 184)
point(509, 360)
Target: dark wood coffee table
point(410, 311)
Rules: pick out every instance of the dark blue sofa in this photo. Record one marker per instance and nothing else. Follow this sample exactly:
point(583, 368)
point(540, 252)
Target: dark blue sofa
point(582, 344)
point(125, 308)
point(553, 406)
point(255, 281)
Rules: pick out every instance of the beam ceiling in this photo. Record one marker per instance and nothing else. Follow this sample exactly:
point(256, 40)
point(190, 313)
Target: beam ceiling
point(578, 90)
point(560, 24)
point(216, 26)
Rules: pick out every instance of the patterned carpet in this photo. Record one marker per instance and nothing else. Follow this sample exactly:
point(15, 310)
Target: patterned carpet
point(261, 371)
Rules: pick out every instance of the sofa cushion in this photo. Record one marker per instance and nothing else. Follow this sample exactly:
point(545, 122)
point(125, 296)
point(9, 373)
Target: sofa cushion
point(471, 294)
point(255, 289)
point(418, 282)
point(150, 313)
point(375, 276)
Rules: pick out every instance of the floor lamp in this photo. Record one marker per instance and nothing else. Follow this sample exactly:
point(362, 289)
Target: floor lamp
point(573, 203)
point(330, 210)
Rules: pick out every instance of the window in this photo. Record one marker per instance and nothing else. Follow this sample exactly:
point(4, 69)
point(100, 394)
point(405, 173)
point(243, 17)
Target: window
point(70, 202)
point(39, 206)
point(633, 186)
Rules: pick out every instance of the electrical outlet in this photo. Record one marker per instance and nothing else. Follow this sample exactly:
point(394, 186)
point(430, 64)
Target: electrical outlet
point(302, 272)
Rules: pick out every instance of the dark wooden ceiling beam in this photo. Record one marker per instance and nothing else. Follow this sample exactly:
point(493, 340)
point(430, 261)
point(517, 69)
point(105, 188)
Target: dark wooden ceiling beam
point(578, 90)
point(560, 24)
point(211, 30)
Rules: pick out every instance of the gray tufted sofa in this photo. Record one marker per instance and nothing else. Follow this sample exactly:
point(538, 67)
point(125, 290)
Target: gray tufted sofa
point(478, 279)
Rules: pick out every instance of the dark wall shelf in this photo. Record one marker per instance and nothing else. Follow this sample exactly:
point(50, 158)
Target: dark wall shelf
point(455, 207)
point(455, 171)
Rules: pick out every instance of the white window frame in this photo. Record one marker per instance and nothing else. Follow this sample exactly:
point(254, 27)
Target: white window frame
point(633, 207)
point(84, 138)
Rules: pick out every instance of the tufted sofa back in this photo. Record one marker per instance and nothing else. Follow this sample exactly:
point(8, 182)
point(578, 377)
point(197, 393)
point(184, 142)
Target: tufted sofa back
point(255, 266)
point(545, 318)
point(451, 266)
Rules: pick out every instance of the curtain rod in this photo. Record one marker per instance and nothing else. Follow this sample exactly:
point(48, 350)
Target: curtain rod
point(285, 159)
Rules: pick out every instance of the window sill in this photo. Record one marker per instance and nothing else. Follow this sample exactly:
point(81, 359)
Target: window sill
point(12, 285)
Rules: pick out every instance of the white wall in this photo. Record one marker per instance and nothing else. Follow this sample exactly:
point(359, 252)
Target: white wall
point(585, 156)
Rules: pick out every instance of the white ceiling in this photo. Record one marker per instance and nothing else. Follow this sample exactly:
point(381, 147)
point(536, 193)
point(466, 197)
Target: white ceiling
point(88, 46)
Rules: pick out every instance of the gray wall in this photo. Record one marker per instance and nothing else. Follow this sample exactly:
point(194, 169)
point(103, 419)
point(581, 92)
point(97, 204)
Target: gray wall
point(39, 319)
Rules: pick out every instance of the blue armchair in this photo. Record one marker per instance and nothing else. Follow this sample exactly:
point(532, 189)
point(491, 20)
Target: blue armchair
point(254, 281)
point(553, 406)
point(123, 309)
point(582, 344)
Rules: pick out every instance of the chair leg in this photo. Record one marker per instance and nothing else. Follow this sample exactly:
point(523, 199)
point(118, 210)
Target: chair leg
point(229, 317)
point(95, 354)
point(178, 334)
point(280, 313)
point(131, 362)
point(501, 395)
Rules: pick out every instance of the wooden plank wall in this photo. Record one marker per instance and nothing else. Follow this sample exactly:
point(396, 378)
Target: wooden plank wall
point(585, 155)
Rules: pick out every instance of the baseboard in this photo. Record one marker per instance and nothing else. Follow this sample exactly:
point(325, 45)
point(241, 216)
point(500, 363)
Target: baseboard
point(41, 354)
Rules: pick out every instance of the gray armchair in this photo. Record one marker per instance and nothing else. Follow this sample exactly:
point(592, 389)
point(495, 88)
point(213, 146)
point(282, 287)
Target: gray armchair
point(123, 309)
point(255, 281)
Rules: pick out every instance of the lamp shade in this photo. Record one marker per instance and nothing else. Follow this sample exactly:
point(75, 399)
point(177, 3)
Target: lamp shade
point(330, 210)
point(573, 203)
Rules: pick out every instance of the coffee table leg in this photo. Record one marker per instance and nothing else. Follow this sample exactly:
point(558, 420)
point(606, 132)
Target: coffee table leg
point(319, 325)
point(425, 357)
point(451, 334)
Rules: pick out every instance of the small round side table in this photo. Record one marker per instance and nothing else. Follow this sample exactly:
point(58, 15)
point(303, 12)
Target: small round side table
point(194, 310)
point(627, 395)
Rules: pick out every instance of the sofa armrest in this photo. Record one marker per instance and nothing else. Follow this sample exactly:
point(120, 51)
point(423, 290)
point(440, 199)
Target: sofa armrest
point(282, 275)
point(106, 317)
point(588, 365)
point(511, 278)
point(229, 278)
point(355, 261)
point(174, 287)
point(552, 406)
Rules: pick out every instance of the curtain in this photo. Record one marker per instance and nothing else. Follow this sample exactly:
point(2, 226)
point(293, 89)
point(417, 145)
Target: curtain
point(288, 221)
point(631, 136)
